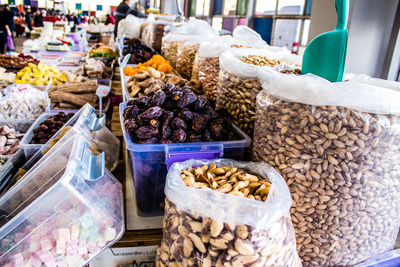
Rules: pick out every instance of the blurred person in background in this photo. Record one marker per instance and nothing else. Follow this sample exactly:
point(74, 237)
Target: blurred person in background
point(124, 9)
point(28, 20)
point(3, 31)
point(8, 15)
point(110, 19)
point(38, 19)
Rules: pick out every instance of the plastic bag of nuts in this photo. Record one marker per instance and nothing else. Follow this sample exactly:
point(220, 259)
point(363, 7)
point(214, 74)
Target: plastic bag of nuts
point(170, 44)
point(239, 84)
point(207, 227)
point(186, 56)
point(206, 66)
point(338, 147)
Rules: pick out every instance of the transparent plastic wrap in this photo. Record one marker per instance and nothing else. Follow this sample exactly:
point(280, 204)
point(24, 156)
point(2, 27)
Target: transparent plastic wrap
point(186, 56)
point(239, 83)
point(204, 227)
point(194, 29)
point(64, 213)
point(338, 147)
point(86, 123)
point(129, 27)
point(170, 44)
point(206, 65)
point(246, 36)
point(157, 34)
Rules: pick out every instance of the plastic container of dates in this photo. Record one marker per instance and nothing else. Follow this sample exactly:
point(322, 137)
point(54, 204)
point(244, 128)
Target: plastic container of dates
point(64, 213)
point(149, 164)
point(85, 123)
point(30, 149)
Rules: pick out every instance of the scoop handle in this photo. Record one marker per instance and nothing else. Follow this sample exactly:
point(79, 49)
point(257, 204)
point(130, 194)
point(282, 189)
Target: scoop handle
point(342, 10)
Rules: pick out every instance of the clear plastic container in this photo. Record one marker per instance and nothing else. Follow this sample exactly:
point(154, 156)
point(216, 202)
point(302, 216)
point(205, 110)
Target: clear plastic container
point(31, 149)
point(21, 125)
point(86, 123)
point(5, 169)
point(64, 213)
point(149, 164)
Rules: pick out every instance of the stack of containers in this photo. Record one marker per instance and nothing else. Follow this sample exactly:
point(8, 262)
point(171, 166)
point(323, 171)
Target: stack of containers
point(66, 210)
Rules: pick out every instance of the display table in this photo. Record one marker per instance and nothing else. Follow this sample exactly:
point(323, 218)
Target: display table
point(139, 231)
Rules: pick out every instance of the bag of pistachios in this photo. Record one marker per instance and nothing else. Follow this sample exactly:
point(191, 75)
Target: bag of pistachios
point(226, 213)
point(338, 147)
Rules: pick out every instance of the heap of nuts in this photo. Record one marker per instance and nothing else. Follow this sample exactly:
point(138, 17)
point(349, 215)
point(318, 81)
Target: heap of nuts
point(150, 81)
point(49, 127)
point(236, 97)
point(193, 240)
point(265, 61)
point(342, 167)
point(175, 115)
point(259, 60)
point(185, 59)
point(228, 180)
point(170, 51)
point(207, 74)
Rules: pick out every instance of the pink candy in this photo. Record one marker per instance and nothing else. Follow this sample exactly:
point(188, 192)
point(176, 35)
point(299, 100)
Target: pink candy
point(18, 259)
point(35, 262)
point(63, 234)
point(60, 246)
point(46, 244)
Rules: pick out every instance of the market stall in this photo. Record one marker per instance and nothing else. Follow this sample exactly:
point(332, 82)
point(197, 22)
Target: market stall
point(180, 147)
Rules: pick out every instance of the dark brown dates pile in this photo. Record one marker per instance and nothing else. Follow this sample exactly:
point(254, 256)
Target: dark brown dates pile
point(175, 115)
point(49, 127)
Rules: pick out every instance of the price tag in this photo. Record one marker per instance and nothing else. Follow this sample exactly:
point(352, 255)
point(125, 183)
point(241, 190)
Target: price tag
point(103, 90)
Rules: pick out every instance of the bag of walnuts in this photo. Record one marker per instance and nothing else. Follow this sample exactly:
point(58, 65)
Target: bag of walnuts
point(337, 145)
point(239, 84)
point(186, 55)
point(219, 214)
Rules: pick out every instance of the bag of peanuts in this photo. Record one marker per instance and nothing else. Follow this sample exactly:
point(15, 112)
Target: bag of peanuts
point(239, 84)
point(337, 145)
point(226, 213)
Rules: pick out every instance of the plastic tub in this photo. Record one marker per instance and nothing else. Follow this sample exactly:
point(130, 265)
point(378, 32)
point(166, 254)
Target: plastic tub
point(65, 211)
point(149, 164)
point(21, 125)
point(31, 149)
point(86, 123)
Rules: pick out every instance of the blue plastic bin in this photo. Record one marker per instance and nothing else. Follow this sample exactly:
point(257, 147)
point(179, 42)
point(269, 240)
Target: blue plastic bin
point(149, 164)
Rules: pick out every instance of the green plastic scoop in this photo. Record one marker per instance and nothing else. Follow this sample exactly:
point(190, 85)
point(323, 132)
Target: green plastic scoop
point(325, 55)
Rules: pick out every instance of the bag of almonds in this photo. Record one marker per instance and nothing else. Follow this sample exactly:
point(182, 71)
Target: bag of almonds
point(226, 213)
point(338, 147)
point(239, 84)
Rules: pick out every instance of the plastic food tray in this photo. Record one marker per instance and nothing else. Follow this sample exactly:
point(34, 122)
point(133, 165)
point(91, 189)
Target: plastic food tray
point(31, 149)
point(86, 123)
point(149, 163)
point(21, 125)
point(65, 212)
